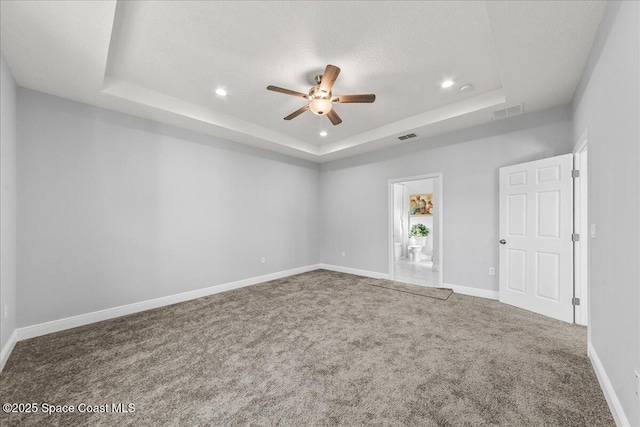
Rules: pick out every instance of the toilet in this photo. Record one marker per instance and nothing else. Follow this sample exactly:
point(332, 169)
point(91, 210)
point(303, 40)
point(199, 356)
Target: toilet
point(414, 252)
point(415, 248)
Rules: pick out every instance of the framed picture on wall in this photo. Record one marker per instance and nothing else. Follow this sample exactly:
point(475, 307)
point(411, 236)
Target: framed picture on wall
point(421, 204)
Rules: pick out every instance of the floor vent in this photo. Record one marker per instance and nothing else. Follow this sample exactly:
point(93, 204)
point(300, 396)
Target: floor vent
point(508, 112)
point(407, 136)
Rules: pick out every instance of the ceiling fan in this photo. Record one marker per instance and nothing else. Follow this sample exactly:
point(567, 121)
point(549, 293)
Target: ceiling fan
point(320, 98)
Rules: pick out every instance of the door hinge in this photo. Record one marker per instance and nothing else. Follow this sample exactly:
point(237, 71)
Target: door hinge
point(575, 237)
point(575, 173)
point(575, 301)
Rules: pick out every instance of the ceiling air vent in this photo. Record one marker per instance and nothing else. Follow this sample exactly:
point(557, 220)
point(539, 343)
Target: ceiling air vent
point(407, 136)
point(508, 112)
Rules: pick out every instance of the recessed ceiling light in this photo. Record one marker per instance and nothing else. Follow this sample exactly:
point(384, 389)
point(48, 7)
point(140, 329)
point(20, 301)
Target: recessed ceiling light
point(221, 92)
point(466, 88)
point(323, 133)
point(447, 83)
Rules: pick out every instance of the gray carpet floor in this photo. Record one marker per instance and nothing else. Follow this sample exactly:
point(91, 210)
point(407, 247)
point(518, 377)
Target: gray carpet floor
point(320, 348)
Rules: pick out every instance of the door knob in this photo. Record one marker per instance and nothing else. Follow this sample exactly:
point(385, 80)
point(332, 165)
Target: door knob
point(503, 242)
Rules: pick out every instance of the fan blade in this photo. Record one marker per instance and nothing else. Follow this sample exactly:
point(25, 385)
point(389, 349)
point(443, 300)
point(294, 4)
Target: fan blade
point(343, 99)
point(329, 78)
point(287, 91)
point(297, 112)
point(334, 117)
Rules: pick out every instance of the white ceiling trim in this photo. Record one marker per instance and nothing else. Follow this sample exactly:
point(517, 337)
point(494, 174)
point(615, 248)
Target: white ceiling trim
point(161, 101)
point(141, 95)
point(401, 127)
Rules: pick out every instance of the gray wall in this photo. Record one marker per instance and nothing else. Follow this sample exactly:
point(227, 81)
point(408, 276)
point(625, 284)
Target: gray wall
point(115, 210)
point(8, 138)
point(354, 197)
point(608, 104)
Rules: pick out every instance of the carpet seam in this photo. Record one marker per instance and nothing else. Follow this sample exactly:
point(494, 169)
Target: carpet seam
point(412, 293)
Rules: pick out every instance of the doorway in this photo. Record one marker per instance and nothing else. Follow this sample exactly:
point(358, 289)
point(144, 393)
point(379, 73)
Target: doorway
point(415, 230)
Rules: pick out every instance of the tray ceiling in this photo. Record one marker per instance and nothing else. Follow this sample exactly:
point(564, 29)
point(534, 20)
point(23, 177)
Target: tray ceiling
point(164, 60)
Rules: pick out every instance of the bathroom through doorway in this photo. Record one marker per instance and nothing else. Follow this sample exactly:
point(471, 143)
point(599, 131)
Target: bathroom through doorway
point(415, 230)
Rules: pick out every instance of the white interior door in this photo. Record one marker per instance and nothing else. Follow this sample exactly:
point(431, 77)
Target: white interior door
point(536, 224)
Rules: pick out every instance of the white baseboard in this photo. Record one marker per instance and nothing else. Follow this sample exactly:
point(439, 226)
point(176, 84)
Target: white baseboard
point(354, 271)
point(6, 350)
point(110, 313)
point(607, 388)
point(474, 292)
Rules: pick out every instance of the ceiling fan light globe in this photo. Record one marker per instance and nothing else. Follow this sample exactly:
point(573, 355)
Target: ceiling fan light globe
point(320, 107)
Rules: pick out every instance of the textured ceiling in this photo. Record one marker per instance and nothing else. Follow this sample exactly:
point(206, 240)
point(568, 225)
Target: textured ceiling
point(163, 60)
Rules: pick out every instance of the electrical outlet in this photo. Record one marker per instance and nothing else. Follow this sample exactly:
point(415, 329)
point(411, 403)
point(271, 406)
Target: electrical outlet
point(263, 260)
point(344, 254)
point(637, 385)
point(492, 271)
point(593, 231)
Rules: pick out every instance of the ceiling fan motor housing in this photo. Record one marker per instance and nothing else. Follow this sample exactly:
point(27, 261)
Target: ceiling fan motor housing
point(320, 101)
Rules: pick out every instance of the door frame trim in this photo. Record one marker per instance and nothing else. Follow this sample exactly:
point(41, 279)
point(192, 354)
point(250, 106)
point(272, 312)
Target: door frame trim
point(438, 184)
point(581, 226)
